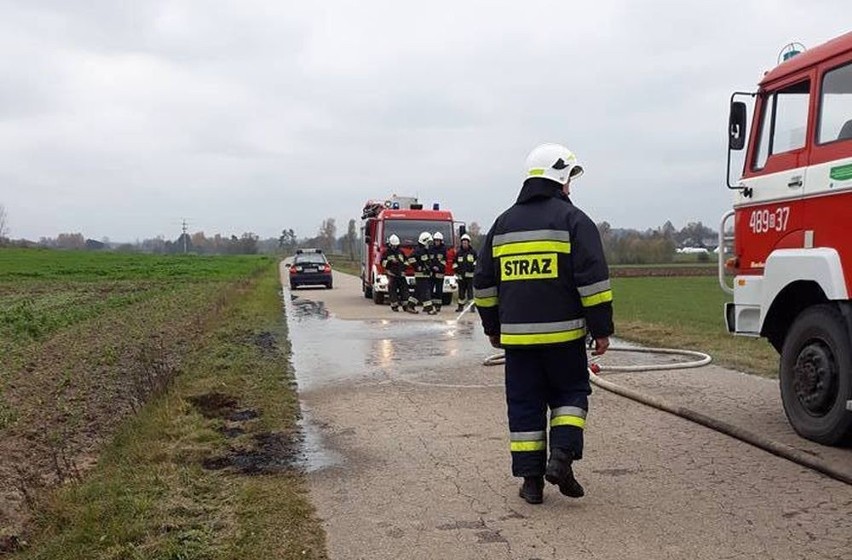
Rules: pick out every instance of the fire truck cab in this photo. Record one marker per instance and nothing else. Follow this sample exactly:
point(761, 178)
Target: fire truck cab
point(405, 217)
point(792, 232)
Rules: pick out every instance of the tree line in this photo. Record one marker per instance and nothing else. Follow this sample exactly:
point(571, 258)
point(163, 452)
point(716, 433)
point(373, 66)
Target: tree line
point(622, 246)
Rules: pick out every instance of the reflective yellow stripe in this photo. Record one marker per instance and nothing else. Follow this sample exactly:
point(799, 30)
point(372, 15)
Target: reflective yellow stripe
point(535, 172)
point(568, 421)
point(486, 301)
point(596, 299)
point(524, 247)
point(542, 338)
point(528, 445)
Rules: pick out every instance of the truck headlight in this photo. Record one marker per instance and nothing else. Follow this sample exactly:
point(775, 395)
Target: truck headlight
point(450, 283)
point(382, 280)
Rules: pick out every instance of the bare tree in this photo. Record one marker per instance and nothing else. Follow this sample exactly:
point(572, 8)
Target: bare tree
point(351, 237)
point(287, 242)
point(328, 234)
point(71, 241)
point(4, 222)
point(474, 230)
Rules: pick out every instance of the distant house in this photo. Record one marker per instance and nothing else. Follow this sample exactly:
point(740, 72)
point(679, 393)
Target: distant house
point(94, 245)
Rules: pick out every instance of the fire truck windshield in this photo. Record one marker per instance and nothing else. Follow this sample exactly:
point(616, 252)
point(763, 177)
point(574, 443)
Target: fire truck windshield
point(409, 230)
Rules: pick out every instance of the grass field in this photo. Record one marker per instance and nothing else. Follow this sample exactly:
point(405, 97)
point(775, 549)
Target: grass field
point(345, 264)
point(686, 312)
point(120, 376)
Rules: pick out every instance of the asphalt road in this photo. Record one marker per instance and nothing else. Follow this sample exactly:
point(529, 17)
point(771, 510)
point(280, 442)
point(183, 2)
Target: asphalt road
point(408, 454)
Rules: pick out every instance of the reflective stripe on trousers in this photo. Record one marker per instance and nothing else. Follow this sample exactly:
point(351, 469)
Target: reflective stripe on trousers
point(528, 441)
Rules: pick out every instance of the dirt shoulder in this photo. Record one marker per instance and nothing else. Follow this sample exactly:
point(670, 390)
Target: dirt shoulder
point(209, 468)
point(418, 431)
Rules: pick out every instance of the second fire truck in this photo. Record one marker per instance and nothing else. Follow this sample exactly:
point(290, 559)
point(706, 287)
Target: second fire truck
point(792, 224)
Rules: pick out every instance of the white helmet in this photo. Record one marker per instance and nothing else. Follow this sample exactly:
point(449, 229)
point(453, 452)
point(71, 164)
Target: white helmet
point(465, 237)
point(554, 162)
point(438, 236)
point(425, 238)
point(393, 240)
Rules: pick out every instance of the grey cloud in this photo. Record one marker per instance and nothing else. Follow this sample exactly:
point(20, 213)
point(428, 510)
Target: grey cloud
point(119, 118)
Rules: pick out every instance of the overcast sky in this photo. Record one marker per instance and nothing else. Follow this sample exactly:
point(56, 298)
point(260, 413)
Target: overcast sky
point(119, 118)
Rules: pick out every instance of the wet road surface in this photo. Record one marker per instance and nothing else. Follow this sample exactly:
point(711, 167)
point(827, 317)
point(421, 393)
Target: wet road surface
point(407, 439)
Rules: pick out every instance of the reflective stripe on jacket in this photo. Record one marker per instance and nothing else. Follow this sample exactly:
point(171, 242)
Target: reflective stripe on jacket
point(465, 262)
point(393, 261)
point(541, 277)
point(421, 261)
point(439, 260)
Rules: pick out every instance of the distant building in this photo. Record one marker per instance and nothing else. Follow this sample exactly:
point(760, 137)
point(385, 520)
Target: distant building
point(94, 245)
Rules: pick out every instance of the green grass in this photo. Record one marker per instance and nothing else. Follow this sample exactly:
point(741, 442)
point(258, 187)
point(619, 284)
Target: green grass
point(44, 291)
point(686, 312)
point(100, 354)
point(45, 264)
point(345, 264)
point(149, 496)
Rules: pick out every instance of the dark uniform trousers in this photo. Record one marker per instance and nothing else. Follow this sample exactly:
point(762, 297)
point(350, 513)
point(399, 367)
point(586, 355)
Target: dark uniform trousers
point(397, 290)
point(557, 378)
point(422, 292)
point(439, 262)
point(437, 289)
point(465, 288)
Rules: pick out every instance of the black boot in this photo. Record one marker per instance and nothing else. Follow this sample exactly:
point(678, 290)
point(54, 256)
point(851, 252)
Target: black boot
point(532, 490)
point(559, 472)
point(410, 308)
point(394, 308)
point(460, 308)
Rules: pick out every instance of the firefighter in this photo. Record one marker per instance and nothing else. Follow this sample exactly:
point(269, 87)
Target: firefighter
point(393, 261)
point(464, 265)
point(541, 284)
point(421, 260)
point(438, 251)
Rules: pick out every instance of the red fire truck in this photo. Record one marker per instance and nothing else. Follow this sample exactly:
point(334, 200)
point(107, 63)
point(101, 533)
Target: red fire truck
point(405, 217)
point(792, 232)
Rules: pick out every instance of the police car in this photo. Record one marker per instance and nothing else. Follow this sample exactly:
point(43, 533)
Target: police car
point(310, 267)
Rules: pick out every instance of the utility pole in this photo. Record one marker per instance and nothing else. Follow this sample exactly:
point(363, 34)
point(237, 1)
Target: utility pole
point(183, 227)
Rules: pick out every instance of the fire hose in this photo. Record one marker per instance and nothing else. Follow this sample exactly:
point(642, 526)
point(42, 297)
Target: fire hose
point(699, 359)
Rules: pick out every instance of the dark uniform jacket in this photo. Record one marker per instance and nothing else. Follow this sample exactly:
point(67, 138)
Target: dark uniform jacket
point(421, 260)
point(393, 260)
point(439, 260)
point(465, 262)
point(541, 277)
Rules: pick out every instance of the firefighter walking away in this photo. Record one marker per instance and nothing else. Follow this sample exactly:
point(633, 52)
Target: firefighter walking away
point(464, 266)
point(393, 261)
point(421, 261)
point(541, 284)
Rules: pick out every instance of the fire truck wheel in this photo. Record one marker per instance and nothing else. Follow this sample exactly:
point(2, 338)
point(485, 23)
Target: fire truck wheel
point(446, 299)
point(368, 291)
point(378, 297)
point(816, 375)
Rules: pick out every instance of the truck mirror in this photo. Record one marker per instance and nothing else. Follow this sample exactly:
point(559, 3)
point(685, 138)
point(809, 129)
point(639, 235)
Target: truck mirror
point(462, 230)
point(737, 126)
